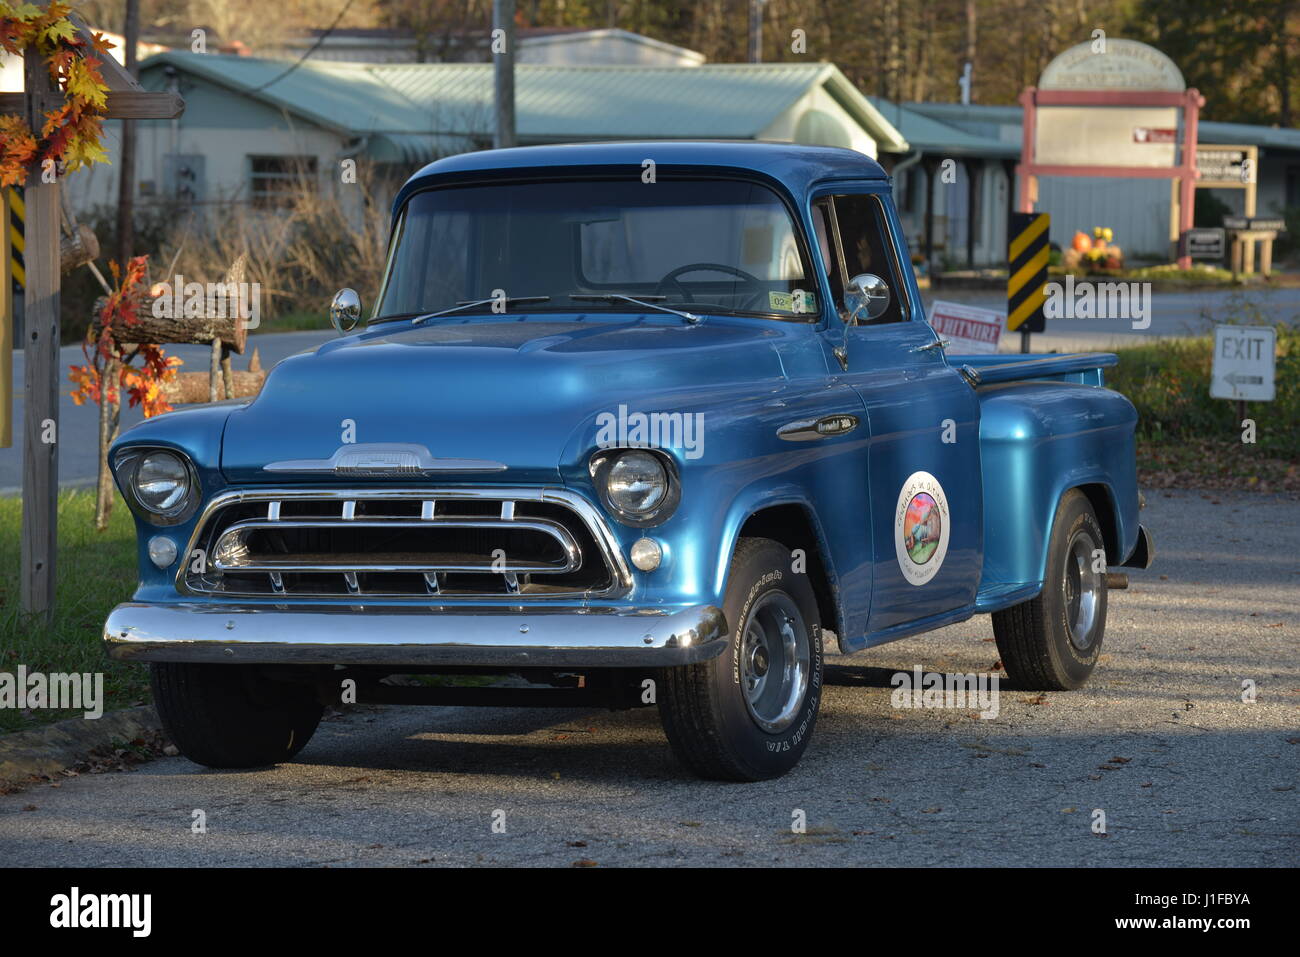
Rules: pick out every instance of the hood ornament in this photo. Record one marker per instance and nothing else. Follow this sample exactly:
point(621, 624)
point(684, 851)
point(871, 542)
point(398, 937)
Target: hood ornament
point(384, 459)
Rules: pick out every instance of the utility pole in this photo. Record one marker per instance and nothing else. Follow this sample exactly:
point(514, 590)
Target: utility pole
point(126, 173)
point(503, 60)
point(967, 78)
point(756, 30)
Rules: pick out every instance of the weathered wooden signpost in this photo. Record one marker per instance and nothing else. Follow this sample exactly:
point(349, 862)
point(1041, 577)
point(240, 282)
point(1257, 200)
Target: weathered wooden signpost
point(126, 100)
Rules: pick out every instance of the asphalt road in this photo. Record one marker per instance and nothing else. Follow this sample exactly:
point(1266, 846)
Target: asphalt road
point(1205, 779)
point(1174, 314)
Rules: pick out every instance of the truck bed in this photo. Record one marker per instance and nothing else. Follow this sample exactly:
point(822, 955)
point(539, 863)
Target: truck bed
point(1082, 367)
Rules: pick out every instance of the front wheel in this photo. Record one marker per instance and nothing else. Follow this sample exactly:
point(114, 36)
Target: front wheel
point(231, 716)
point(1052, 642)
point(747, 715)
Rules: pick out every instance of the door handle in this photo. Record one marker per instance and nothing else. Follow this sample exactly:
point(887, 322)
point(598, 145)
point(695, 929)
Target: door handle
point(937, 344)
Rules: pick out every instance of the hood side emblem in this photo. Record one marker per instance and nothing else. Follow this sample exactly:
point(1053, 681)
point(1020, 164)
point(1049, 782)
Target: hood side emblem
point(384, 458)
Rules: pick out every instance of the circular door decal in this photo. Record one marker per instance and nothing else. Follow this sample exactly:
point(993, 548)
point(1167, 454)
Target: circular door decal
point(921, 527)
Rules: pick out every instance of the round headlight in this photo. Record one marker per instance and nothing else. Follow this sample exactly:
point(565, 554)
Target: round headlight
point(161, 482)
point(637, 483)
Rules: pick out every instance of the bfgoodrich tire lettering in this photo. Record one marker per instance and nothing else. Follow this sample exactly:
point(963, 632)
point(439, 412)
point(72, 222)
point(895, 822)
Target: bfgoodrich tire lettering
point(229, 716)
point(712, 721)
point(1052, 642)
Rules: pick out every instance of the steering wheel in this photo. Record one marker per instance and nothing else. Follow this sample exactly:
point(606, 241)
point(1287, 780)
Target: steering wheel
point(671, 278)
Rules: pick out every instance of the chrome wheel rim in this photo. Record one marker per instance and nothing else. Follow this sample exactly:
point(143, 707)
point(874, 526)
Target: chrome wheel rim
point(1081, 590)
point(774, 662)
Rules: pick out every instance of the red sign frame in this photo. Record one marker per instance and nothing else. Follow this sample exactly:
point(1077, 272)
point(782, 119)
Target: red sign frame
point(1189, 101)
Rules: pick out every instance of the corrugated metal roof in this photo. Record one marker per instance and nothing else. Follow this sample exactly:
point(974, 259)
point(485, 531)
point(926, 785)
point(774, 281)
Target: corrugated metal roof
point(932, 136)
point(552, 103)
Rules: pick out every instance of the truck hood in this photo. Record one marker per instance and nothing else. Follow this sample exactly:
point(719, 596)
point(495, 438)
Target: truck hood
point(479, 400)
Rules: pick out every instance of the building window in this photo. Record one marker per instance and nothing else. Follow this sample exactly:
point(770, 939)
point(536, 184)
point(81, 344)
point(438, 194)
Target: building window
point(272, 178)
point(1293, 186)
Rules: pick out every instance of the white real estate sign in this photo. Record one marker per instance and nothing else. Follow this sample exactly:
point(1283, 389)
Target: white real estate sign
point(1243, 363)
point(969, 328)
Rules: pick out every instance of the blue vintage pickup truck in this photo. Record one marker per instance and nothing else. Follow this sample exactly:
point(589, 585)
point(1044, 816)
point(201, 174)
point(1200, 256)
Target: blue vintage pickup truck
point(632, 424)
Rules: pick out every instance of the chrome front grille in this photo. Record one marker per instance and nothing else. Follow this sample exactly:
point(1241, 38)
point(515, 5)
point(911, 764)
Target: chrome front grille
point(457, 543)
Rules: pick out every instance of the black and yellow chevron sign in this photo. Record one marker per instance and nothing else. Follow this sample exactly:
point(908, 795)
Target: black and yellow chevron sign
point(17, 218)
point(1027, 253)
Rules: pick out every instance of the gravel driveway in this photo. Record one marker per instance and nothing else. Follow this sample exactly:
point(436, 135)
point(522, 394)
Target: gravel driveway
point(1160, 740)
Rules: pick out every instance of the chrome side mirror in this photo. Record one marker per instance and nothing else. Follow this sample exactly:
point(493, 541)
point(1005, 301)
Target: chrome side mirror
point(867, 297)
point(345, 310)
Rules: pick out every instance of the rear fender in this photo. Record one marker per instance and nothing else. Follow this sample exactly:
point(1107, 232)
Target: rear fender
point(1038, 441)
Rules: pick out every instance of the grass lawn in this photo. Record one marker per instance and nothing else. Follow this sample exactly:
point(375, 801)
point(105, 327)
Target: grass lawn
point(1188, 440)
point(95, 572)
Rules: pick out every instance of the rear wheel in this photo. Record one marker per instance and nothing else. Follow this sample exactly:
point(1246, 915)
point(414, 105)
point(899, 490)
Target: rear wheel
point(1052, 642)
point(231, 716)
point(748, 714)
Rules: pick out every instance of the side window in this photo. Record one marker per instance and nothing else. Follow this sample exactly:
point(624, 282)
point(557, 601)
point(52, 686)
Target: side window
point(865, 246)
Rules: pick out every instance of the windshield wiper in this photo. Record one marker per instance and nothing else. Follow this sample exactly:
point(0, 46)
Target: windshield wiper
point(649, 302)
point(470, 303)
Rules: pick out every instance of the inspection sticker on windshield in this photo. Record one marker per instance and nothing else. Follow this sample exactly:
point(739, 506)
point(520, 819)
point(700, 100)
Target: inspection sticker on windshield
point(796, 300)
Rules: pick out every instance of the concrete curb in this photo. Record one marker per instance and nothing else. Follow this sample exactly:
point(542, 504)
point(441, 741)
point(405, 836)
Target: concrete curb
point(49, 750)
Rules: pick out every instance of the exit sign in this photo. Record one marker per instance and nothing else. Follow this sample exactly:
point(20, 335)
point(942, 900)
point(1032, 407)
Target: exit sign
point(1243, 363)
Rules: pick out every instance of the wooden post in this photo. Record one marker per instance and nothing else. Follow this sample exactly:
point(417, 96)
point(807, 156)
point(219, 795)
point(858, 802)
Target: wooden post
point(6, 328)
point(214, 370)
point(126, 99)
point(227, 372)
point(41, 409)
point(107, 433)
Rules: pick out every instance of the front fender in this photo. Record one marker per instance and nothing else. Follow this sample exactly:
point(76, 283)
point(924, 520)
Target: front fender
point(744, 468)
point(197, 433)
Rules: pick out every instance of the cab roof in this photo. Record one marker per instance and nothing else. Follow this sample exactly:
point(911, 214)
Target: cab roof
point(795, 167)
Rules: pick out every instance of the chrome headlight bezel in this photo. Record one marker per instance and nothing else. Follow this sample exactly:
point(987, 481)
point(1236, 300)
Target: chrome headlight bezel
point(126, 467)
point(603, 462)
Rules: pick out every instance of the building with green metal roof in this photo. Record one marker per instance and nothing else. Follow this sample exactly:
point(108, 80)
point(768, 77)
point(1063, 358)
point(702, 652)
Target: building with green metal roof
point(248, 121)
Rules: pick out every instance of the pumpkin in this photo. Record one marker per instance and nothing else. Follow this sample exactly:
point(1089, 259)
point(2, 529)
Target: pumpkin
point(1081, 242)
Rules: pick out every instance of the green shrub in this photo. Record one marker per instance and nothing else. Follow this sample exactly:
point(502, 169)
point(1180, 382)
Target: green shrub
point(1169, 382)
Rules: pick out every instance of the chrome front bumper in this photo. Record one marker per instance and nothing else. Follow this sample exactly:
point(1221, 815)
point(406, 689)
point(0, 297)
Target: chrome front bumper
point(496, 637)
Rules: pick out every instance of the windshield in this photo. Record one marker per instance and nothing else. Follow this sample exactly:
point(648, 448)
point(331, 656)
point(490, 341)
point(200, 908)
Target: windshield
point(706, 246)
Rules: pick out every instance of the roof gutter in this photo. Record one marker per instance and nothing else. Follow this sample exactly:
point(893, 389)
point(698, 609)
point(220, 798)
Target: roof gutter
point(912, 159)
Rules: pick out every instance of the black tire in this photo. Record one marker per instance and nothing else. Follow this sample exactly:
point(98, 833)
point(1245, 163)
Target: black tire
point(229, 716)
point(713, 726)
point(1045, 643)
